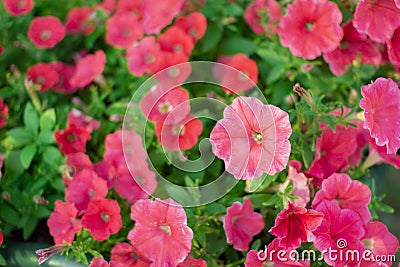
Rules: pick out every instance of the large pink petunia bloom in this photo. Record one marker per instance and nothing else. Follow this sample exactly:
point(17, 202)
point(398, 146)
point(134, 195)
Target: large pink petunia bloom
point(158, 14)
point(123, 254)
point(263, 16)
point(241, 223)
point(300, 184)
point(161, 233)
point(18, 7)
point(242, 76)
point(393, 48)
point(46, 32)
point(63, 222)
point(194, 24)
point(192, 262)
point(349, 194)
point(381, 105)
point(144, 57)
point(43, 75)
point(79, 21)
point(158, 104)
point(380, 242)
point(340, 230)
point(122, 30)
point(352, 46)
point(65, 73)
point(85, 186)
point(311, 27)
point(102, 218)
point(294, 225)
point(88, 68)
point(252, 138)
point(180, 136)
point(368, 16)
point(174, 39)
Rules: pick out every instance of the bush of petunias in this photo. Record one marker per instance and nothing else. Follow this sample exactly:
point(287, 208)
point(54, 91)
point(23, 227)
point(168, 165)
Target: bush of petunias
point(200, 133)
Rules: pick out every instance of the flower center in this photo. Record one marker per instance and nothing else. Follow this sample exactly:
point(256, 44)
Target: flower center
point(193, 32)
point(178, 48)
point(173, 72)
point(71, 137)
point(126, 32)
point(166, 229)
point(368, 243)
point(46, 34)
point(309, 26)
point(41, 80)
point(105, 217)
point(134, 256)
point(257, 137)
point(21, 4)
point(149, 59)
point(164, 107)
point(178, 130)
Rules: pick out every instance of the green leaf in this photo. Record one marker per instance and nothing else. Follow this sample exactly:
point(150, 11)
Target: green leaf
point(27, 154)
point(29, 228)
point(275, 73)
point(211, 37)
point(233, 10)
point(256, 244)
point(46, 137)
point(235, 44)
point(48, 119)
point(215, 208)
point(2, 261)
point(272, 201)
point(17, 137)
point(52, 156)
point(31, 118)
point(9, 214)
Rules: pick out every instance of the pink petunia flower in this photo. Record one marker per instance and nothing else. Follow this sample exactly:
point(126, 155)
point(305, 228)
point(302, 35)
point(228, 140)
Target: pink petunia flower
point(46, 32)
point(75, 163)
point(81, 120)
point(161, 233)
point(63, 222)
point(140, 186)
point(180, 136)
point(378, 154)
point(241, 223)
point(102, 218)
point(72, 139)
point(252, 138)
point(263, 16)
point(367, 18)
point(381, 105)
point(393, 48)
point(194, 25)
point(241, 77)
point(300, 184)
point(88, 68)
point(134, 7)
point(173, 71)
point(353, 45)
point(18, 7)
point(158, 104)
point(144, 57)
point(85, 186)
point(65, 73)
point(43, 75)
point(123, 254)
point(123, 29)
point(99, 262)
point(158, 14)
point(294, 225)
point(311, 27)
point(380, 242)
point(192, 262)
point(349, 194)
point(79, 21)
point(176, 40)
point(3, 113)
point(340, 230)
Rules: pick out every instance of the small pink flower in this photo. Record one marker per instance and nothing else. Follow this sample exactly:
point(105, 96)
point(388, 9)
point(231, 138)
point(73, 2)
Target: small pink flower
point(161, 233)
point(311, 27)
point(367, 17)
point(99, 262)
point(180, 136)
point(263, 16)
point(380, 242)
point(158, 14)
point(192, 262)
point(123, 254)
point(85, 186)
point(43, 75)
point(349, 194)
point(241, 223)
point(65, 72)
point(176, 72)
point(123, 29)
point(79, 21)
point(194, 25)
point(81, 120)
point(300, 184)
point(75, 163)
point(102, 218)
point(340, 230)
point(63, 222)
point(393, 48)
point(72, 139)
point(294, 225)
point(176, 40)
point(145, 57)
point(88, 68)
point(241, 77)
point(252, 138)
point(353, 45)
point(158, 104)
point(46, 32)
point(381, 105)
point(18, 7)
point(3, 113)
point(134, 7)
